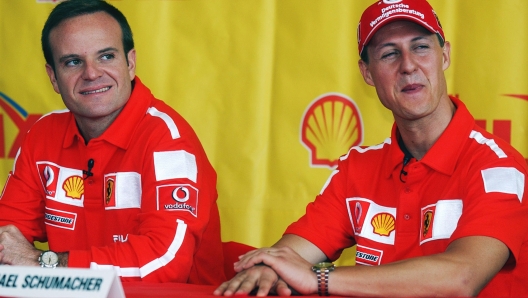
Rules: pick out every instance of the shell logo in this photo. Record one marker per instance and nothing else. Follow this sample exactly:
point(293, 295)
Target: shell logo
point(330, 126)
point(74, 187)
point(383, 224)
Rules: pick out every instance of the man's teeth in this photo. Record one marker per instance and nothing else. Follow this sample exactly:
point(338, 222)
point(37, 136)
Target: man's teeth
point(96, 91)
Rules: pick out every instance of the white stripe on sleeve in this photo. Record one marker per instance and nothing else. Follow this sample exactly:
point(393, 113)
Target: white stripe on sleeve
point(154, 264)
point(477, 136)
point(175, 133)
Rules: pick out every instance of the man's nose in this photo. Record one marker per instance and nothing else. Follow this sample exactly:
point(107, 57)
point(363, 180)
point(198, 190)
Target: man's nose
point(91, 71)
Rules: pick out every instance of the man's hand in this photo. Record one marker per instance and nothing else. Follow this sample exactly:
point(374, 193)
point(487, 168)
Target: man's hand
point(286, 267)
point(15, 249)
point(261, 277)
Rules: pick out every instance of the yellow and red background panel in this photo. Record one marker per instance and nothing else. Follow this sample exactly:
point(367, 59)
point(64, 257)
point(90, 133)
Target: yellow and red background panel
point(272, 88)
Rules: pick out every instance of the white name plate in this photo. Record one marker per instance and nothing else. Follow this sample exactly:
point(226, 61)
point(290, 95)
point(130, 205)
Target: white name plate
point(19, 281)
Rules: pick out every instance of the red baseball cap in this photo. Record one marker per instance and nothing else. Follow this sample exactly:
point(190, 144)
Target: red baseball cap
point(383, 12)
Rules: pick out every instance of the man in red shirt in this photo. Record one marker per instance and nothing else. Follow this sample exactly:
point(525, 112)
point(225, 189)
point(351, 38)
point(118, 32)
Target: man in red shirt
point(437, 209)
point(119, 179)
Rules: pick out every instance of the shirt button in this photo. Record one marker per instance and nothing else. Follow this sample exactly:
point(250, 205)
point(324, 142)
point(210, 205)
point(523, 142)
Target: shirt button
point(407, 190)
point(407, 217)
point(90, 181)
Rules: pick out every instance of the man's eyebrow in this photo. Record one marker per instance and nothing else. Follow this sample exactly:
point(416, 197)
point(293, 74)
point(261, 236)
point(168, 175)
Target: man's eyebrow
point(70, 56)
point(109, 49)
point(391, 44)
point(66, 57)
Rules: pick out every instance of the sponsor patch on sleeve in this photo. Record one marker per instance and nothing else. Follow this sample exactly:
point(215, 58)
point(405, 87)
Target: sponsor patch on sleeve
point(178, 197)
point(60, 219)
point(174, 165)
point(368, 256)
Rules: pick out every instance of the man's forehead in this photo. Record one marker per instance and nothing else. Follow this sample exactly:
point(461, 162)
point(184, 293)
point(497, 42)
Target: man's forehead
point(399, 29)
point(87, 31)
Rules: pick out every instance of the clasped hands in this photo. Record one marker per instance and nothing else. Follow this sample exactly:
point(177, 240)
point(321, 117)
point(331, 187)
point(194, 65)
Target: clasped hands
point(271, 270)
point(15, 249)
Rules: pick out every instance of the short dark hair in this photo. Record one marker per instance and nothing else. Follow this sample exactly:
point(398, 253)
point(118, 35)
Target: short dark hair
point(74, 8)
point(365, 57)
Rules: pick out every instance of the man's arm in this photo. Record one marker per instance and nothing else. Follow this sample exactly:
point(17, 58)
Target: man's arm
point(463, 269)
point(466, 266)
point(15, 249)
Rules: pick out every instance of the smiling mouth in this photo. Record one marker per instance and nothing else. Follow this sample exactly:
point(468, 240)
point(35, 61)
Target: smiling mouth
point(96, 91)
point(411, 87)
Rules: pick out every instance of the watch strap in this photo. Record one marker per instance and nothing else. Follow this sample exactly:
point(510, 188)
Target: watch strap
point(322, 281)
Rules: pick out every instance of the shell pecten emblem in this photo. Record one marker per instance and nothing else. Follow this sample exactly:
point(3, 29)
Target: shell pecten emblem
point(74, 187)
point(383, 224)
point(330, 126)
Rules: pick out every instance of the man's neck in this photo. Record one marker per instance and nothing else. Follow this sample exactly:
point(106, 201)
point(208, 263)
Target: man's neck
point(420, 135)
point(93, 128)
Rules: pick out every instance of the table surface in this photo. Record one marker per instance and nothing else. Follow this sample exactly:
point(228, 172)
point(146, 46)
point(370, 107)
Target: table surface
point(147, 289)
point(162, 290)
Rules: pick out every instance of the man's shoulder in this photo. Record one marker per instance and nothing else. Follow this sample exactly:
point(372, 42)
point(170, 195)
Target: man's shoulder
point(55, 119)
point(161, 117)
point(486, 149)
point(368, 152)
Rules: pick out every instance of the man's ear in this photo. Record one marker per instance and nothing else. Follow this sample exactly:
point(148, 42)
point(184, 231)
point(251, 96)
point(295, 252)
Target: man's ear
point(364, 69)
point(131, 58)
point(446, 55)
point(53, 79)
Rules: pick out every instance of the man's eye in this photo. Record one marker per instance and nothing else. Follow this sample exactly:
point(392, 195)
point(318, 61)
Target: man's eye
point(388, 55)
point(107, 56)
point(74, 62)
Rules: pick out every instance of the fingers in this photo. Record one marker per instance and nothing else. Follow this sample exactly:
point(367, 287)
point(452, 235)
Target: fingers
point(244, 282)
point(255, 257)
point(282, 288)
point(267, 281)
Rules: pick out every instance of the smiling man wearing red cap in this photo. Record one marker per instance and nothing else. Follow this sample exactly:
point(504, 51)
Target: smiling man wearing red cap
point(438, 209)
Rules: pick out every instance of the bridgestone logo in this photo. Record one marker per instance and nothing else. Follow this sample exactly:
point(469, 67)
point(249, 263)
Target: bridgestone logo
point(366, 256)
point(59, 219)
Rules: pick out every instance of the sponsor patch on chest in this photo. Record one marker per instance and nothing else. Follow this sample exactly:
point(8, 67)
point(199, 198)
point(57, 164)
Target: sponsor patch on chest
point(372, 221)
point(439, 221)
point(178, 197)
point(122, 190)
point(62, 184)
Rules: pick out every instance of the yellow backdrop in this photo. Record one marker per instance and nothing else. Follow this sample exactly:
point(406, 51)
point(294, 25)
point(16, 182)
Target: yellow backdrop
point(253, 77)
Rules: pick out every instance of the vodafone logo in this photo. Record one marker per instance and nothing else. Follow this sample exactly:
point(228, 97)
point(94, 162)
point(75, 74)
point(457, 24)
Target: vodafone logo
point(330, 125)
point(178, 197)
point(180, 194)
point(391, 1)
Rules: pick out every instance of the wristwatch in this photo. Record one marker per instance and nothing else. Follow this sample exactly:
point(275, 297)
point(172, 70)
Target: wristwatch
point(48, 259)
point(322, 269)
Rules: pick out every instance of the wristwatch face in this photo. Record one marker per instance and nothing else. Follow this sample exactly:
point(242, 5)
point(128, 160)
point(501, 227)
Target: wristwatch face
point(49, 259)
point(323, 265)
